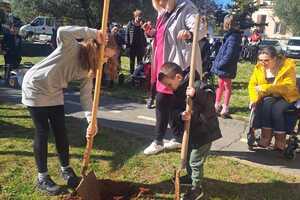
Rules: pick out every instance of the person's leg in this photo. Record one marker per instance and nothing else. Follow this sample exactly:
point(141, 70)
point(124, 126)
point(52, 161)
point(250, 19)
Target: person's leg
point(266, 116)
point(132, 56)
point(57, 122)
point(219, 94)
point(40, 119)
point(152, 95)
point(279, 125)
point(140, 58)
point(197, 157)
point(176, 126)
point(227, 95)
point(162, 112)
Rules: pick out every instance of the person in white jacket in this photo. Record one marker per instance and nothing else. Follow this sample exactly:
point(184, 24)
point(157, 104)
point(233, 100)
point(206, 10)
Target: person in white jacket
point(75, 58)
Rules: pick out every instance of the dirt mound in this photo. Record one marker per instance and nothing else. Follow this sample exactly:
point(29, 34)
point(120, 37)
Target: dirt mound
point(114, 190)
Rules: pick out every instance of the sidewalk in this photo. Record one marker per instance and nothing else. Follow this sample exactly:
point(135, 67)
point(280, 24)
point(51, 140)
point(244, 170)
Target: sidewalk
point(134, 118)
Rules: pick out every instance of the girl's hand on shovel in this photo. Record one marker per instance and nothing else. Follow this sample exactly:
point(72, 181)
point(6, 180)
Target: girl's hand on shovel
point(91, 131)
point(102, 38)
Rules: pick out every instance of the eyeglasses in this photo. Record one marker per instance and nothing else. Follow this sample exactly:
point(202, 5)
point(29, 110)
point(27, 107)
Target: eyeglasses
point(264, 60)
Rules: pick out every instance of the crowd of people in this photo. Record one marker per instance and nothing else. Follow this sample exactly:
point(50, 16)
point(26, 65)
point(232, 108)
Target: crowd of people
point(272, 86)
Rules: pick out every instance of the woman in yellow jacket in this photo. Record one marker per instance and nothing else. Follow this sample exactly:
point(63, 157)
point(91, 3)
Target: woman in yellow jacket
point(272, 89)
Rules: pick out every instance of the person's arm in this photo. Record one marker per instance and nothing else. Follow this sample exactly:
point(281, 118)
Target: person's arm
point(253, 95)
point(86, 97)
point(190, 19)
point(127, 34)
point(69, 34)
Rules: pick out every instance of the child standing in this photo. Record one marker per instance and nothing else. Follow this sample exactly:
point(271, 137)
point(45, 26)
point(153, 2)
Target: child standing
point(225, 64)
point(42, 93)
point(204, 127)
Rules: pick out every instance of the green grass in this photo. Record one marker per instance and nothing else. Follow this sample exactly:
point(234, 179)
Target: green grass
point(117, 156)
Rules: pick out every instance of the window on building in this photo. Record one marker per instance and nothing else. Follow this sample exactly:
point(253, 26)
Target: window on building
point(280, 28)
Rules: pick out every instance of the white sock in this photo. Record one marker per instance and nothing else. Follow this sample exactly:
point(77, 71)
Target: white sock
point(65, 168)
point(42, 176)
point(225, 109)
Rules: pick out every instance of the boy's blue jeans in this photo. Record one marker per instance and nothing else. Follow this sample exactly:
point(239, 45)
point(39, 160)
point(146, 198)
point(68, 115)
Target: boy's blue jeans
point(196, 158)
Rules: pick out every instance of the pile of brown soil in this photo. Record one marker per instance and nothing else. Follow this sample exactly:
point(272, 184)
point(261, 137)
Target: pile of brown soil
point(114, 190)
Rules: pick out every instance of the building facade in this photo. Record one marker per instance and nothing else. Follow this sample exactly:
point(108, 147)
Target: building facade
point(268, 23)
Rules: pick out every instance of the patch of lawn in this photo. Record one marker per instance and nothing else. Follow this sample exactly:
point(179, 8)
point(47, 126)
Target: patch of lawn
point(118, 156)
point(240, 99)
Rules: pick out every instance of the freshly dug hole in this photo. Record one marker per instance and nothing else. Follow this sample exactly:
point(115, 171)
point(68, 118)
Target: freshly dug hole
point(114, 190)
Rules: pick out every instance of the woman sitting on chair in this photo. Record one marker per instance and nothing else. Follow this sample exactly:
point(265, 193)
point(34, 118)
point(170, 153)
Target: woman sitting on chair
point(272, 89)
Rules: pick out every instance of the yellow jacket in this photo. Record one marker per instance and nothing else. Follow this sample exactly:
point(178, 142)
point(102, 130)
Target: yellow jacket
point(284, 84)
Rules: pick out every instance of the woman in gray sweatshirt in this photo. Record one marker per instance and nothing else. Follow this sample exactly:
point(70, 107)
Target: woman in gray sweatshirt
point(42, 93)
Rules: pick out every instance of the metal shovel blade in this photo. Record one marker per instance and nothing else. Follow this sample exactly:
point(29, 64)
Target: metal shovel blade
point(88, 187)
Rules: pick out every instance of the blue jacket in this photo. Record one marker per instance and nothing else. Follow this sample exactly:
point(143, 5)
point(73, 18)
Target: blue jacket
point(225, 64)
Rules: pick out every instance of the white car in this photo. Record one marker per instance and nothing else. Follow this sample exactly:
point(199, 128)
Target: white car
point(293, 48)
point(40, 25)
point(269, 42)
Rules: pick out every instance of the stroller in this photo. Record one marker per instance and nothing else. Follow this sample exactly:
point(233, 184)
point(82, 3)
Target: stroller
point(14, 75)
point(142, 74)
point(292, 115)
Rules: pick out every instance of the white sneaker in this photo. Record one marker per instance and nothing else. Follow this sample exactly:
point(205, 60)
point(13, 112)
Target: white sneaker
point(172, 144)
point(153, 148)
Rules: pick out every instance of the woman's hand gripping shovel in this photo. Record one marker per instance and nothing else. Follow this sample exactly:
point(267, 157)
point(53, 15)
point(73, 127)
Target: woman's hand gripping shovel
point(88, 187)
point(189, 105)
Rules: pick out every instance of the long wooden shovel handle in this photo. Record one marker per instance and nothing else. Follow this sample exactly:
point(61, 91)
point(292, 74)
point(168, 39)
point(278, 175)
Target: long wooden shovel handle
point(90, 140)
point(189, 103)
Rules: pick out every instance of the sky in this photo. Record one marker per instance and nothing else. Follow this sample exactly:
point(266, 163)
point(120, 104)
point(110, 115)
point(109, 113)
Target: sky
point(224, 2)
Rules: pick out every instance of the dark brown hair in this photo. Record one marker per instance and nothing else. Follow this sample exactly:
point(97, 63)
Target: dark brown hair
point(137, 13)
point(89, 54)
point(169, 70)
point(270, 51)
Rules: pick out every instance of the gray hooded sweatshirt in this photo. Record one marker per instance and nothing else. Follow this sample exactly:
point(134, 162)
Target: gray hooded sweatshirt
point(43, 84)
point(182, 18)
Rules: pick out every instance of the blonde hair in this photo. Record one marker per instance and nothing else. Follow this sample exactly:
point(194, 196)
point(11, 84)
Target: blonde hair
point(170, 6)
point(230, 21)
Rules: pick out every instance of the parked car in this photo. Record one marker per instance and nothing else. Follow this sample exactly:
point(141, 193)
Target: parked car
point(293, 48)
point(269, 42)
point(40, 25)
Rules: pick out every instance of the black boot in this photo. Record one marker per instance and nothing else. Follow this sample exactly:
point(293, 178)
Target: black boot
point(47, 185)
point(72, 179)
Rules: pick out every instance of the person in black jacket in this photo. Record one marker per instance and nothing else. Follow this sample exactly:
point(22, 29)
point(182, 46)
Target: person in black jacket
point(11, 48)
point(135, 39)
point(204, 127)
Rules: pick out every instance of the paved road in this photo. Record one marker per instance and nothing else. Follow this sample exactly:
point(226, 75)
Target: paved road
point(134, 118)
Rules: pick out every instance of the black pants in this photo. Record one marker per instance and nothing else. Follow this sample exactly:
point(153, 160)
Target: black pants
point(163, 117)
point(270, 113)
point(132, 56)
point(43, 117)
point(152, 92)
